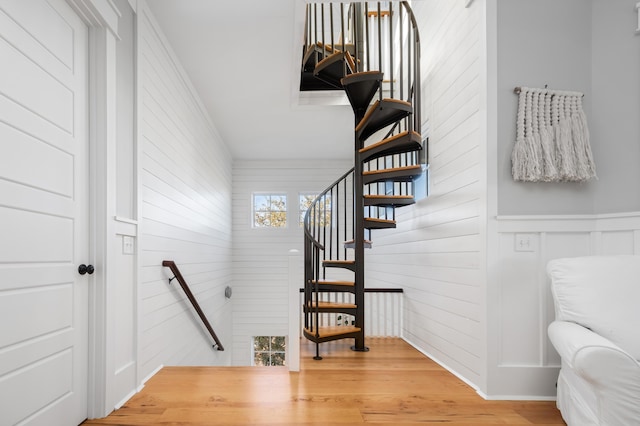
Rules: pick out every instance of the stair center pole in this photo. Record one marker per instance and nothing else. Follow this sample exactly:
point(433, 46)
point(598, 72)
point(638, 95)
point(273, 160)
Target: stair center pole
point(358, 212)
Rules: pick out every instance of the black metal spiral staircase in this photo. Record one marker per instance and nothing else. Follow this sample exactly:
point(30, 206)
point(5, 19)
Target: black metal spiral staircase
point(376, 62)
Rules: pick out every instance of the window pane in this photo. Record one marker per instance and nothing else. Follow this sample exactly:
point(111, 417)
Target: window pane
point(278, 219)
point(277, 343)
point(277, 358)
point(305, 201)
point(261, 202)
point(262, 219)
point(278, 203)
point(261, 343)
point(261, 359)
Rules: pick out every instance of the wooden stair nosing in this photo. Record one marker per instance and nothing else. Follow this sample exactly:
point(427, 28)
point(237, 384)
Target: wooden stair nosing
point(381, 114)
point(377, 223)
point(324, 306)
point(396, 144)
point(308, 61)
point(360, 77)
point(334, 283)
point(347, 46)
point(331, 69)
point(388, 200)
point(396, 174)
point(347, 264)
point(334, 286)
point(329, 333)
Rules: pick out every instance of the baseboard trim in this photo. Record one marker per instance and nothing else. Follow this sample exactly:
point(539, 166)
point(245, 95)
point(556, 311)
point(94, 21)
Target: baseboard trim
point(445, 366)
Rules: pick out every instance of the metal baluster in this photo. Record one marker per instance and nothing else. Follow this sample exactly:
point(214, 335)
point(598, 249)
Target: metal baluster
point(401, 38)
point(367, 44)
point(380, 46)
point(391, 49)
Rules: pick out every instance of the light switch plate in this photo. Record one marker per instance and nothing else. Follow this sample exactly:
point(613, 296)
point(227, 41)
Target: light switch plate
point(525, 242)
point(128, 244)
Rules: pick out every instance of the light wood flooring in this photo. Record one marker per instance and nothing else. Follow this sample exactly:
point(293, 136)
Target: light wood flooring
point(392, 384)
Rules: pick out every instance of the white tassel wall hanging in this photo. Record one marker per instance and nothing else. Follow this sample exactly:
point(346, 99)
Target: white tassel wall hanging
point(552, 138)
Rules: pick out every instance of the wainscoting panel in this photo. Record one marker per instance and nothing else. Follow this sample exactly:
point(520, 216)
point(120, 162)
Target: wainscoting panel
point(523, 297)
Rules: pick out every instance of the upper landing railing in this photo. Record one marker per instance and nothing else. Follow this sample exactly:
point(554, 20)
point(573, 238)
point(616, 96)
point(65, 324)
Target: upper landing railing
point(381, 36)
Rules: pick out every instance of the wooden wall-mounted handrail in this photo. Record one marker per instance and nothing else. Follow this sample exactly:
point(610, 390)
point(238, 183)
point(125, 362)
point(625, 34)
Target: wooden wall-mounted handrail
point(176, 273)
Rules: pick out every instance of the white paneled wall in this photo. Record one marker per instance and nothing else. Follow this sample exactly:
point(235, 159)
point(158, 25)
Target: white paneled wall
point(261, 256)
point(436, 252)
point(185, 212)
point(527, 363)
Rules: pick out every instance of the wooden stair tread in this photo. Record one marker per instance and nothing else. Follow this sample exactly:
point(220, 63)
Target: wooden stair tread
point(400, 197)
point(360, 88)
point(330, 331)
point(376, 219)
point(376, 223)
point(335, 282)
point(389, 200)
point(396, 144)
point(348, 47)
point(346, 264)
point(394, 169)
point(331, 69)
point(332, 305)
point(396, 174)
point(361, 76)
point(381, 114)
point(371, 110)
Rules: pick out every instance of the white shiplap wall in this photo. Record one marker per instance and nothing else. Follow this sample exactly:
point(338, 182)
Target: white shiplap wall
point(261, 256)
point(436, 252)
point(185, 212)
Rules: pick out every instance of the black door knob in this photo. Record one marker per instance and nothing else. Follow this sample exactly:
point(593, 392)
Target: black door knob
point(85, 269)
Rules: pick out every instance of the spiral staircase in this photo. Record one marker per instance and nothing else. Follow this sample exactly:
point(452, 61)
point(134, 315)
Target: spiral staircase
point(371, 51)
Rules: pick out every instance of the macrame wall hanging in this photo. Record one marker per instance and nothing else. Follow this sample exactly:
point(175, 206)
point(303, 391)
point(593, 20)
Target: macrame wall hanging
point(552, 138)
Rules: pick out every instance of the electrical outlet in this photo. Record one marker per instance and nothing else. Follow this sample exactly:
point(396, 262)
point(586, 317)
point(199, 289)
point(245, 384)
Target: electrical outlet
point(525, 242)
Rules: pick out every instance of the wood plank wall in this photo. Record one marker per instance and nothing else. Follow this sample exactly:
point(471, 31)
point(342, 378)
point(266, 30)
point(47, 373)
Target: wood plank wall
point(185, 212)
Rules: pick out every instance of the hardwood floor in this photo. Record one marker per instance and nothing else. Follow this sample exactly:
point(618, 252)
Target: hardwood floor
point(392, 384)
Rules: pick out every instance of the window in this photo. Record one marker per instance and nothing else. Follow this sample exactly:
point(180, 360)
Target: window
point(269, 210)
point(305, 202)
point(269, 350)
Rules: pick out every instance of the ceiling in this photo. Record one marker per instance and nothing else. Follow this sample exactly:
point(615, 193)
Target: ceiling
point(243, 59)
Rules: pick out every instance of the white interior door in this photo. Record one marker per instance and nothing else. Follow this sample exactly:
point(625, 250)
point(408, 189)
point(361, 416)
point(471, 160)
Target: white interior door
point(43, 213)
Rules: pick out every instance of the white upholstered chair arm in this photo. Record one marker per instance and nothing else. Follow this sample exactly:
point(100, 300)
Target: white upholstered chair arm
point(612, 372)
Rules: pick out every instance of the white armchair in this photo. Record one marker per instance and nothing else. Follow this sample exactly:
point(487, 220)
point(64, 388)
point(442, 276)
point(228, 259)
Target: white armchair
point(597, 334)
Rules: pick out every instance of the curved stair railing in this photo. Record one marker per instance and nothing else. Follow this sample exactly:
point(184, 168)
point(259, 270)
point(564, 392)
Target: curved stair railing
point(371, 51)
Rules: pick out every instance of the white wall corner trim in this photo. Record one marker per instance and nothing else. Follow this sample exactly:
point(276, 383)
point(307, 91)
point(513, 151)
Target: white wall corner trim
point(293, 343)
point(98, 13)
point(638, 10)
